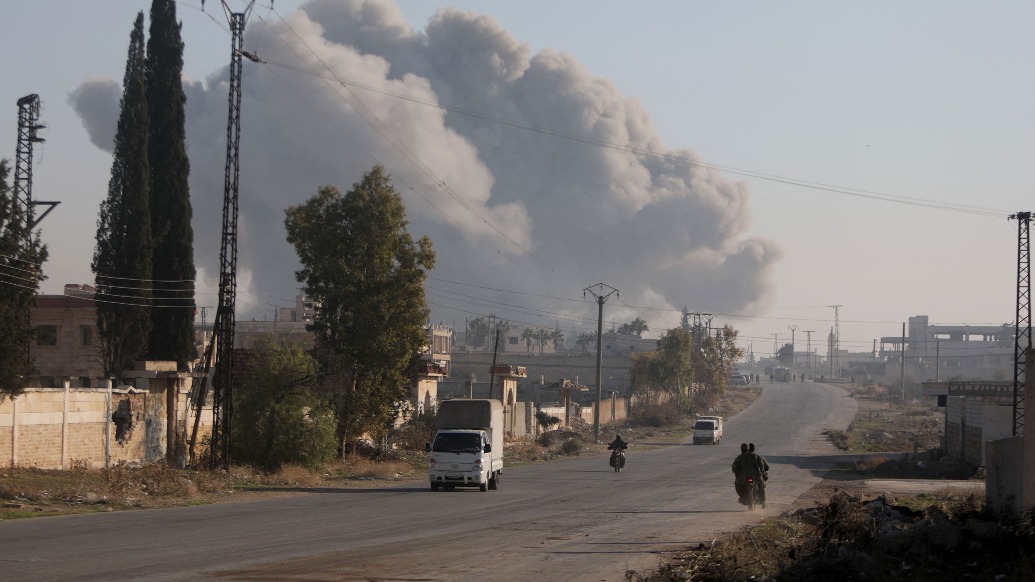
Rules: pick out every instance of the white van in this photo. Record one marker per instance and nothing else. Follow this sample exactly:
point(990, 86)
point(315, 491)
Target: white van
point(708, 429)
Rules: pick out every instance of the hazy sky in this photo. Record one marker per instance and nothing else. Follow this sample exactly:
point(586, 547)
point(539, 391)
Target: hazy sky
point(549, 146)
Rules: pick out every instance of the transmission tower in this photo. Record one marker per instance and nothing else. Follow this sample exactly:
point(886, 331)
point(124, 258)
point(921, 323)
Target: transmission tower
point(835, 359)
point(1023, 329)
point(221, 348)
point(28, 135)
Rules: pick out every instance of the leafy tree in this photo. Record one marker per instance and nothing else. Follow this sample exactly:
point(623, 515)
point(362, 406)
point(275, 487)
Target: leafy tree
point(279, 417)
point(676, 360)
point(645, 375)
point(122, 257)
point(635, 327)
point(172, 332)
point(21, 258)
point(367, 274)
point(719, 356)
point(478, 330)
point(785, 355)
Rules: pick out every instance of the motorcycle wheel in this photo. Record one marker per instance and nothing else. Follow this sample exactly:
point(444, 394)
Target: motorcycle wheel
point(751, 498)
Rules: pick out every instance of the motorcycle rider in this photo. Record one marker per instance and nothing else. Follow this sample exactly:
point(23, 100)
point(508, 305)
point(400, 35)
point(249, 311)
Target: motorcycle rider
point(618, 443)
point(763, 465)
point(763, 469)
point(617, 446)
point(740, 471)
point(749, 464)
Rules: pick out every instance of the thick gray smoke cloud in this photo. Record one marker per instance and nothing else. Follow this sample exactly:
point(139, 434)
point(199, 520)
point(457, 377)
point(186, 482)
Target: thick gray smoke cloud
point(506, 207)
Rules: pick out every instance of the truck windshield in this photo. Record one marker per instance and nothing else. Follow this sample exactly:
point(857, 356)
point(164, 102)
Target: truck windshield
point(704, 425)
point(451, 442)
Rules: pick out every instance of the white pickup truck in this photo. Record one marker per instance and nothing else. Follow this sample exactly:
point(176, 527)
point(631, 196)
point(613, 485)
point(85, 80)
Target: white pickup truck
point(708, 429)
point(468, 447)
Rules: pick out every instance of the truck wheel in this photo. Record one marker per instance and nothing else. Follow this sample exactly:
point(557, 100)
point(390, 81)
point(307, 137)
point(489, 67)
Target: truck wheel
point(484, 486)
point(494, 481)
point(434, 486)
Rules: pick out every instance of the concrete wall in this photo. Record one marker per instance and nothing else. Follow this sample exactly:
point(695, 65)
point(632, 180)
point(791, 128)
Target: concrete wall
point(49, 428)
point(1003, 481)
point(970, 423)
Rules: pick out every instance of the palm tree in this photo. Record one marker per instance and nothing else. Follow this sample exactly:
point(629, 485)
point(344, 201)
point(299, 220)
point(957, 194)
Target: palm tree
point(584, 340)
point(556, 336)
point(638, 326)
point(527, 335)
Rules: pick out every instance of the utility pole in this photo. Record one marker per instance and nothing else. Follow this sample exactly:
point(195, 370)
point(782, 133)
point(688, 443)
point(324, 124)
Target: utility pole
point(221, 349)
point(775, 352)
point(808, 349)
point(937, 357)
point(903, 362)
point(600, 292)
point(836, 359)
point(793, 329)
point(1022, 344)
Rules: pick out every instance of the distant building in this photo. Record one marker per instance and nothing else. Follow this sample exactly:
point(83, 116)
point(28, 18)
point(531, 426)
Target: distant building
point(64, 345)
point(969, 352)
point(304, 310)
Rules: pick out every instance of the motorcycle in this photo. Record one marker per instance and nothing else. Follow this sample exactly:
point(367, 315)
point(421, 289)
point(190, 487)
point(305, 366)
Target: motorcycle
point(755, 493)
point(618, 459)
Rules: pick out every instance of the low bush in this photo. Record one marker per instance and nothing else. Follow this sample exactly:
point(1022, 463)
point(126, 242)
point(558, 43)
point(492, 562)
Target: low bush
point(571, 447)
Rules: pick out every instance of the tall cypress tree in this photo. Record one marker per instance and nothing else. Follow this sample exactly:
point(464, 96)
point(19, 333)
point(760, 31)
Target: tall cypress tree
point(122, 258)
point(21, 257)
point(172, 333)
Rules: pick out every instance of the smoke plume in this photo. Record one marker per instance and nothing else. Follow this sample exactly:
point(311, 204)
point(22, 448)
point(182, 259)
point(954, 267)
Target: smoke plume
point(528, 172)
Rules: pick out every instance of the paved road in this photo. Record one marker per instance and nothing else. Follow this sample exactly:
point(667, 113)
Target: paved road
point(571, 520)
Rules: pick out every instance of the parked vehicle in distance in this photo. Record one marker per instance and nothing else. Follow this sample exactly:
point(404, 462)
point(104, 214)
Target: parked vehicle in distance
point(468, 447)
point(739, 380)
point(708, 429)
point(782, 374)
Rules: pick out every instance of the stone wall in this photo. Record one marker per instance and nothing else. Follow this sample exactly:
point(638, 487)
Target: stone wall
point(49, 428)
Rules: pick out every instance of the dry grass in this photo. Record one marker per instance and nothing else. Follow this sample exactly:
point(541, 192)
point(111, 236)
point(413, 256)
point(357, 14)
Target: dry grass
point(28, 492)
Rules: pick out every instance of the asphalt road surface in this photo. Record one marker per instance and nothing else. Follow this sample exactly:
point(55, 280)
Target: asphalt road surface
point(570, 520)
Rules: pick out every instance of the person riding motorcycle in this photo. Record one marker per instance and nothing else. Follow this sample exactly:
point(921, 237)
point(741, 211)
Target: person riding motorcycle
point(618, 443)
point(616, 447)
point(748, 464)
point(763, 465)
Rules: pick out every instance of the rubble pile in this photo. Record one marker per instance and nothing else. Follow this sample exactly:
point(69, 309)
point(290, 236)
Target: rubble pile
point(860, 539)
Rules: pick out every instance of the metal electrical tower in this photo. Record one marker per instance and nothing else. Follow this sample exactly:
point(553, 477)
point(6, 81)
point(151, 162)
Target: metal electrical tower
point(28, 135)
point(221, 347)
point(1023, 329)
point(835, 360)
point(601, 294)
